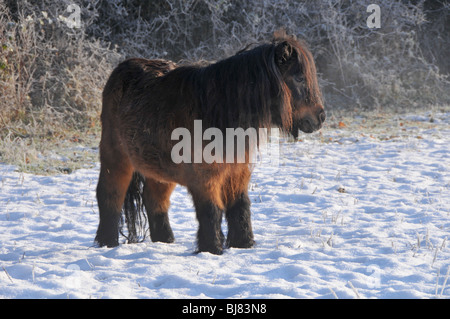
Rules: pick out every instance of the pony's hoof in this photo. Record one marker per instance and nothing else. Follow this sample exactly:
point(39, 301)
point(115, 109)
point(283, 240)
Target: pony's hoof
point(214, 251)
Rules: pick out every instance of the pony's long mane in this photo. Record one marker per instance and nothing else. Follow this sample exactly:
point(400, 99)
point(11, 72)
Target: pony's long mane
point(241, 91)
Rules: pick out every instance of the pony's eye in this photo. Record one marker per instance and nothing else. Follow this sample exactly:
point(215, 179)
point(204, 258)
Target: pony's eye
point(299, 78)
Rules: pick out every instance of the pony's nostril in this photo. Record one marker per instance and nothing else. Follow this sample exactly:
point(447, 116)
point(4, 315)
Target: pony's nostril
point(322, 117)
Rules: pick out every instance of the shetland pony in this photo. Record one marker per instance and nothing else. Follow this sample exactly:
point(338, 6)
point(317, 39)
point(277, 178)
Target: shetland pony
point(270, 85)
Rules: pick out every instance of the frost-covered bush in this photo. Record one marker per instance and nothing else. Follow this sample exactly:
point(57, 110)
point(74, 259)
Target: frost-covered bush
point(50, 72)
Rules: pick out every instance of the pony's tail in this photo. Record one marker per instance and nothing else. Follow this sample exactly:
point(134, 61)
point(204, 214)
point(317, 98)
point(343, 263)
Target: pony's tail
point(133, 211)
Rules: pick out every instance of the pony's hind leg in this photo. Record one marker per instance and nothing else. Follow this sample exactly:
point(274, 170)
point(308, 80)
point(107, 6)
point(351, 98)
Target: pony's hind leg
point(115, 176)
point(156, 197)
point(111, 189)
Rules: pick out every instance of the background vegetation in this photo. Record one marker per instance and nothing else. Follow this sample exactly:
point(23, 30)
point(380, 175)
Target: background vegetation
point(52, 74)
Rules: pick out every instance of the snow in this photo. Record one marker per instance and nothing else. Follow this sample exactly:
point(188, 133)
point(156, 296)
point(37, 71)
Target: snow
point(347, 214)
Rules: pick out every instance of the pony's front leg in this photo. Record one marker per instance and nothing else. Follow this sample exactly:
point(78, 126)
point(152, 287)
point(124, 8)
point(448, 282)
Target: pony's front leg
point(240, 234)
point(209, 236)
point(209, 215)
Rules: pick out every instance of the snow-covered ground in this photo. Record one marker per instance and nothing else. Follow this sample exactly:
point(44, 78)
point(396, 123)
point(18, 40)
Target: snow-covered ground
point(348, 214)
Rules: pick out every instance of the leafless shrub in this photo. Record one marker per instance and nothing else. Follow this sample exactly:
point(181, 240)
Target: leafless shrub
point(56, 72)
point(51, 78)
point(379, 67)
point(17, 57)
point(434, 34)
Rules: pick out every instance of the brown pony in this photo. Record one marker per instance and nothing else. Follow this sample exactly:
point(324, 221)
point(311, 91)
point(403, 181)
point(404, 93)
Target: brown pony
point(144, 101)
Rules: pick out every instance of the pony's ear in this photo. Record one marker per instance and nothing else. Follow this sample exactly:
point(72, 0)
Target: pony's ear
point(283, 53)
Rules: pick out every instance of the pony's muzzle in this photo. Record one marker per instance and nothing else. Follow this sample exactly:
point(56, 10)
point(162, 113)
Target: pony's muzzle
point(312, 123)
